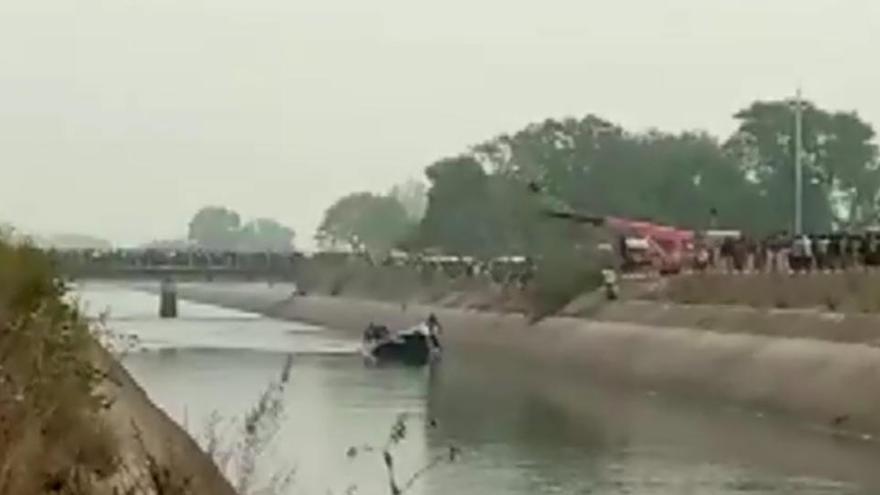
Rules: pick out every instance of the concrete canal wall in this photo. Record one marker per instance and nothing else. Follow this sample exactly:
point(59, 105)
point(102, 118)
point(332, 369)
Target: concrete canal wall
point(146, 430)
point(830, 384)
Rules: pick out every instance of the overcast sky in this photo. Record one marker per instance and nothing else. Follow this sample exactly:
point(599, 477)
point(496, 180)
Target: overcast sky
point(120, 118)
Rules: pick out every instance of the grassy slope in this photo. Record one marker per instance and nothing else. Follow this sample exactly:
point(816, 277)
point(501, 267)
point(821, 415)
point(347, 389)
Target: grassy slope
point(71, 420)
point(855, 291)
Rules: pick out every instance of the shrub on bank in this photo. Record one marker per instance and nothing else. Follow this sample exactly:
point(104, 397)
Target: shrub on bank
point(561, 275)
point(54, 433)
point(50, 435)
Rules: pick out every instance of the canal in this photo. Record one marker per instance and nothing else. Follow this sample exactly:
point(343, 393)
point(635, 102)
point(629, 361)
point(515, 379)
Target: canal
point(518, 430)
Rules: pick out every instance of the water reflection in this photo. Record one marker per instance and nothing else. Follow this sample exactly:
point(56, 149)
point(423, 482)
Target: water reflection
point(332, 404)
point(519, 432)
point(579, 437)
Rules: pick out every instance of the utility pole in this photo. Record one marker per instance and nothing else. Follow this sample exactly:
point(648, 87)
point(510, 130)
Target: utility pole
point(798, 164)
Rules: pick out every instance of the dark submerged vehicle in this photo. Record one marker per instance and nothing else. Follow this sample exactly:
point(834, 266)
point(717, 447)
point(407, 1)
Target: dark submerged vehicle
point(417, 346)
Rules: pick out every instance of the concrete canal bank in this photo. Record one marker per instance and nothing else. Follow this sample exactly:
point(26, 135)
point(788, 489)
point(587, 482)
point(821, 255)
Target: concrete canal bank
point(151, 438)
point(830, 385)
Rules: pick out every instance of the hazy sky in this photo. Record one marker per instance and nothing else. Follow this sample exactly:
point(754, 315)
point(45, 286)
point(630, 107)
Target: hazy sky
point(120, 118)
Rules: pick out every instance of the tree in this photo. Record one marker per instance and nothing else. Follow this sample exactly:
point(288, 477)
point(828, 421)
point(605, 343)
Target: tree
point(681, 179)
point(266, 234)
point(490, 199)
point(413, 195)
point(561, 155)
point(215, 228)
point(459, 217)
point(853, 168)
point(364, 221)
point(593, 166)
point(839, 163)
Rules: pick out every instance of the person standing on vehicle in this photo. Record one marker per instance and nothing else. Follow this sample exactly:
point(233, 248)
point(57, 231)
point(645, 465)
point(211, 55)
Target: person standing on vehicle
point(434, 328)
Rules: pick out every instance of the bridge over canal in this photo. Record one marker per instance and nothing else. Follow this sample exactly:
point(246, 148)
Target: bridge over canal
point(178, 265)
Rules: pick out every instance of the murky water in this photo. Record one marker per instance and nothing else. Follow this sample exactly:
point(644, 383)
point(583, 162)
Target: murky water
point(519, 432)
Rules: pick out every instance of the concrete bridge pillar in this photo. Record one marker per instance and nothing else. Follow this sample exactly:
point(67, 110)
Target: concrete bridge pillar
point(168, 299)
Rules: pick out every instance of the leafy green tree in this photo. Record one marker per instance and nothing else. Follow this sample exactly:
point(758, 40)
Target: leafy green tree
point(680, 179)
point(364, 221)
point(593, 166)
point(493, 198)
point(854, 173)
point(215, 228)
point(266, 234)
point(459, 218)
point(561, 155)
point(839, 163)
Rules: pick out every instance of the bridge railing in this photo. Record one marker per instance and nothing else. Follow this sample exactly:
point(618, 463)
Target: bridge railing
point(95, 262)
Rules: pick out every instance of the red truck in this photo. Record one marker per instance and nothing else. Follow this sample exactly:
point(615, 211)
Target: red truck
point(661, 247)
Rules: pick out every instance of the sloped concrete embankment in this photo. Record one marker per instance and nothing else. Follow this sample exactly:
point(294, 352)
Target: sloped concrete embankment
point(145, 431)
point(819, 381)
point(852, 328)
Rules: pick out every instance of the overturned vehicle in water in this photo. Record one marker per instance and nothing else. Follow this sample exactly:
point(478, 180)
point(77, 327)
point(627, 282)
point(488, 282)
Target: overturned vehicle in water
point(416, 346)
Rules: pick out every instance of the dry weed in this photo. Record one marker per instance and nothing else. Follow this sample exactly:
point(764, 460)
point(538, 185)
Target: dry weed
point(238, 445)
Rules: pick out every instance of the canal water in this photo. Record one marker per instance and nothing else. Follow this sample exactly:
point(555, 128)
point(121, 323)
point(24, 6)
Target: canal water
point(517, 430)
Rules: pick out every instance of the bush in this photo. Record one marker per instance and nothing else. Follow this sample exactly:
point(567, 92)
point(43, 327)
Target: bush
point(561, 275)
point(52, 433)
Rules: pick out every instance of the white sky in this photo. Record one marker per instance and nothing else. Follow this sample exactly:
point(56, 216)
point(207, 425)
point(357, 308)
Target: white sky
point(120, 118)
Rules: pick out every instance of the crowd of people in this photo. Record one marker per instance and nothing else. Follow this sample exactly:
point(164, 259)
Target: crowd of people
point(733, 253)
point(787, 253)
point(506, 270)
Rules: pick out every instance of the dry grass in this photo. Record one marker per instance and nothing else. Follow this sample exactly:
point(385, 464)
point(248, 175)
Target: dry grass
point(149, 475)
point(51, 436)
point(843, 292)
point(358, 278)
point(238, 455)
point(54, 436)
point(399, 484)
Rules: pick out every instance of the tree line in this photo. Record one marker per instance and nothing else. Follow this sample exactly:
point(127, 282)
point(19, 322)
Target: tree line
point(219, 228)
point(489, 199)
